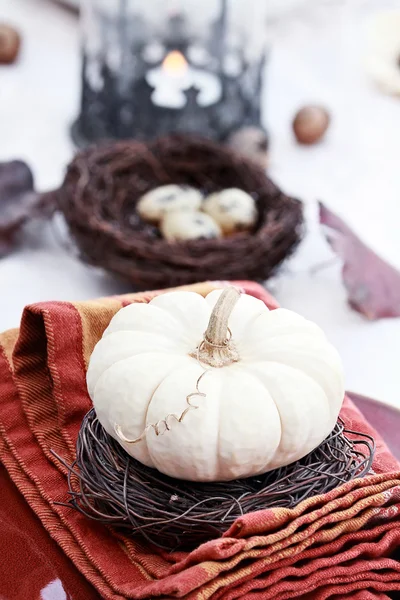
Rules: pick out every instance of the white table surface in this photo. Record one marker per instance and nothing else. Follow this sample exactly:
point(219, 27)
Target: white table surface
point(355, 171)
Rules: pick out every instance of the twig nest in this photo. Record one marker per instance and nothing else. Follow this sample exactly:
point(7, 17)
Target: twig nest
point(104, 184)
point(168, 198)
point(183, 226)
point(383, 54)
point(310, 124)
point(10, 42)
point(109, 486)
point(233, 209)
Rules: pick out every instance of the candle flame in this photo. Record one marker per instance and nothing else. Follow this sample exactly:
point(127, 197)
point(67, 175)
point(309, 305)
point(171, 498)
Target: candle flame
point(175, 63)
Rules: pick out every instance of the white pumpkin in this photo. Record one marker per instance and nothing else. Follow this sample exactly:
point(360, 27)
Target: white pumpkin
point(383, 50)
point(215, 388)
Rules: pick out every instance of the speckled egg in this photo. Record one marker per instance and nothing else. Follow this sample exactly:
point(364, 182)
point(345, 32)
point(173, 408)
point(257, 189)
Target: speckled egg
point(183, 226)
point(154, 205)
point(233, 209)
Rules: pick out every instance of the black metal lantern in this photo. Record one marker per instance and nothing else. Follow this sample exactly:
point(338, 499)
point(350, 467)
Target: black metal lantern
point(160, 66)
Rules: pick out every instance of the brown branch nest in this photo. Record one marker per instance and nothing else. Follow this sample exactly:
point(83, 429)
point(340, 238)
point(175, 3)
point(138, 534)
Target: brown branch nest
point(108, 485)
point(103, 185)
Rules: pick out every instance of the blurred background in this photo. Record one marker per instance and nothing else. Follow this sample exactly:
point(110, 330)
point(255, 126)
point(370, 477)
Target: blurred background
point(319, 53)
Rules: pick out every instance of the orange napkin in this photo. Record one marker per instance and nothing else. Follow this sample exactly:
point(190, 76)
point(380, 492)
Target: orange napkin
point(341, 544)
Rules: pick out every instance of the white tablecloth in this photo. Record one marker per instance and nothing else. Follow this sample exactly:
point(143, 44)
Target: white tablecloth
point(355, 172)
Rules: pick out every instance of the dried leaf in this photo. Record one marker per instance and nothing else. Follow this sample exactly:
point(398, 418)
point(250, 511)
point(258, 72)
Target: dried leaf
point(372, 284)
point(18, 201)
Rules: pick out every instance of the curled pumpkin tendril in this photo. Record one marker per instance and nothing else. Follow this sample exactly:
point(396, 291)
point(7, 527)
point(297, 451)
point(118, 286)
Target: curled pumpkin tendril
point(165, 422)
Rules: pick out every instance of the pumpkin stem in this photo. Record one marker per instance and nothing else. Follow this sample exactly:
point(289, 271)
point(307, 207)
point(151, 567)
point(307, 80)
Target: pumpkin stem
point(217, 348)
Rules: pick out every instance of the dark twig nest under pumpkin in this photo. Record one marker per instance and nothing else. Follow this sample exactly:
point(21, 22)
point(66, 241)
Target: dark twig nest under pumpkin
point(103, 185)
point(108, 485)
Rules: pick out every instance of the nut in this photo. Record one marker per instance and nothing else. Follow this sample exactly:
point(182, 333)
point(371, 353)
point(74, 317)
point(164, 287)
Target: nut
point(310, 124)
point(251, 142)
point(10, 42)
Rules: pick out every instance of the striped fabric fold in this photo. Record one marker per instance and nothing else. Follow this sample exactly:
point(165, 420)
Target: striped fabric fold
point(338, 545)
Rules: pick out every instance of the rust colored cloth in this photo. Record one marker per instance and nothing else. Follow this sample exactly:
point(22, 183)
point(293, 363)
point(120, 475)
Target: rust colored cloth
point(338, 545)
point(32, 565)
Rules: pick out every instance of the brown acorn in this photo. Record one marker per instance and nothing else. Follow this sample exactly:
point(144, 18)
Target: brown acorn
point(10, 42)
point(310, 124)
point(252, 142)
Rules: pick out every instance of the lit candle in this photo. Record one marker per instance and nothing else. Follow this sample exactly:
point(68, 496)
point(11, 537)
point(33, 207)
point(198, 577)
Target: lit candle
point(174, 76)
point(170, 80)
